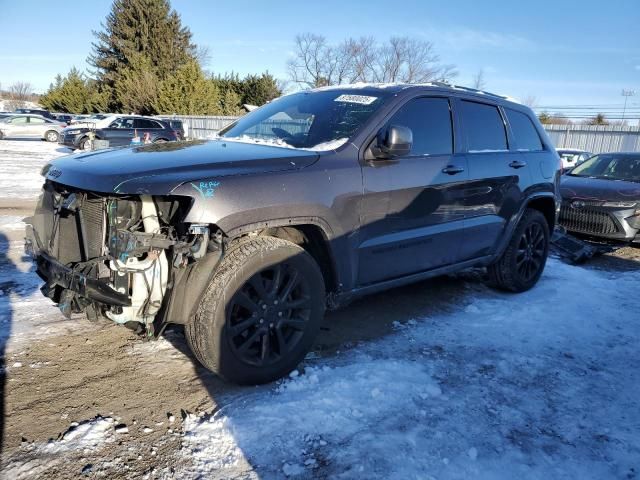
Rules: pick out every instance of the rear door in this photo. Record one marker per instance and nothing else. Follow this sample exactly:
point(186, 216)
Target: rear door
point(498, 173)
point(37, 126)
point(119, 132)
point(145, 125)
point(411, 211)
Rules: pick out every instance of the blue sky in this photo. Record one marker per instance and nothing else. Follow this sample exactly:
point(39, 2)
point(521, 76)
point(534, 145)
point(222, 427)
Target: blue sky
point(561, 52)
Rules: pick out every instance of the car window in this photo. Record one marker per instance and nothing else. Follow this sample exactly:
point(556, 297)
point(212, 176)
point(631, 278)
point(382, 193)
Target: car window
point(36, 120)
point(145, 123)
point(430, 122)
point(525, 132)
point(610, 166)
point(18, 120)
point(122, 123)
point(484, 127)
point(317, 120)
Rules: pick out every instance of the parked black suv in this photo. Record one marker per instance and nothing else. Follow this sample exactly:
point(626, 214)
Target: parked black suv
point(35, 111)
point(118, 130)
point(305, 203)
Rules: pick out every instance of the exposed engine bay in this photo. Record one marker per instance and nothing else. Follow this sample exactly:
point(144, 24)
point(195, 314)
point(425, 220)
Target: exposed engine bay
point(116, 256)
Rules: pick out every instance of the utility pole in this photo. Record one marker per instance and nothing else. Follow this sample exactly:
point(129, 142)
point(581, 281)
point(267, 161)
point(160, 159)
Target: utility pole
point(626, 94)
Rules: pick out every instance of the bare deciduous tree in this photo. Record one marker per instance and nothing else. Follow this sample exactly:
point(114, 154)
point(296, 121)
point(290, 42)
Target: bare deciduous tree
point(19, 94)
point(203, 55)
point(479, 82)
point(401, 59)
point(530, 101)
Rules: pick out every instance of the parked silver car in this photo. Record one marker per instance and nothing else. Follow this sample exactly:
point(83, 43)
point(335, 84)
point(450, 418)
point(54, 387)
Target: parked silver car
point(30, 126)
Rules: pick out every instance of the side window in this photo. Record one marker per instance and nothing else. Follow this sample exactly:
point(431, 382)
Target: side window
point(527, 137)
point(122, 123)
point(430, 121)
point(19, 120)
point(144, 123)
point(36, 120)
point(484, 127)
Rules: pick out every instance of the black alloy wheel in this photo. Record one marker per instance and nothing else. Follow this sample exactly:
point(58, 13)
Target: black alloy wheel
point(268, 315)
point(530, 255)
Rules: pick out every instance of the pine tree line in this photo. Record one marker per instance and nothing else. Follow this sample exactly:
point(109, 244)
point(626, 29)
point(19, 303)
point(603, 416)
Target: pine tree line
point(146, 63)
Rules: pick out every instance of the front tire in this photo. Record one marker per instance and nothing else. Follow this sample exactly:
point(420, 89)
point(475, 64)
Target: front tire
point(522, 263)
point(260, 313)
point(85, 144)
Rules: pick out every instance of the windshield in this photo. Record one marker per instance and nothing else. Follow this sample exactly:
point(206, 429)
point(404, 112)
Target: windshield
point(610, 166)
point(320, 120)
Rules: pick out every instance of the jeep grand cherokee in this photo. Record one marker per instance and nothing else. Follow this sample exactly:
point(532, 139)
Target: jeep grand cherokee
point(304, 203)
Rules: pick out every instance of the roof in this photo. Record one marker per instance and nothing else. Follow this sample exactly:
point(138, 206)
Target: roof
point(396, 87)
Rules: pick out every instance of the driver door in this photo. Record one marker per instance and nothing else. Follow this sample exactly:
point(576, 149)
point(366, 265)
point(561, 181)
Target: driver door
point(412, 211)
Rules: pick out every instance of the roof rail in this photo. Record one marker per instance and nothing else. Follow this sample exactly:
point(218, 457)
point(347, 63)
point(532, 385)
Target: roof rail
point(475, 90)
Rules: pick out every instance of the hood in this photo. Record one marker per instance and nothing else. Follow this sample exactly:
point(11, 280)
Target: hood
point(598, 189)
point(159, 168)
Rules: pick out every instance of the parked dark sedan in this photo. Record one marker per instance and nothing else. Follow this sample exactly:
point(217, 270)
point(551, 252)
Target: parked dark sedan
point(119, 130)
point(601, 197)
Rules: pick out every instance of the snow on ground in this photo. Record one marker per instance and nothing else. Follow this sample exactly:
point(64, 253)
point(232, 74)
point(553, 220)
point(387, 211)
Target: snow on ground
point(25, 314)
point(86, 437)
point(539, 385)
point(20, 164)
point(11, 223)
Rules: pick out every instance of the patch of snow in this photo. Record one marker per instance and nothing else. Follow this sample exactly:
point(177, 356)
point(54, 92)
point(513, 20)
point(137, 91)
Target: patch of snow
point(278, 142)
point(20, 164)
point(11, 223)
point(501, 384)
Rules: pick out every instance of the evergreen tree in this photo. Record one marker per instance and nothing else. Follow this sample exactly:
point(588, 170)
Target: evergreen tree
point(136, 88)
point(259, 89)
point(230, 103)
point(140, 28)
point(74, 93)
point(188, 92)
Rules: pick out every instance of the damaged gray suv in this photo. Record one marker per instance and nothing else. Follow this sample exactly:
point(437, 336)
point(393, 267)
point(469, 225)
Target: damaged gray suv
point(304, 204)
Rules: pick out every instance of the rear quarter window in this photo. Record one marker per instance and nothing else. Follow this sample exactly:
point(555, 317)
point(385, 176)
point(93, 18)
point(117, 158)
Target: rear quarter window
point(525, 133)
point(484, 127)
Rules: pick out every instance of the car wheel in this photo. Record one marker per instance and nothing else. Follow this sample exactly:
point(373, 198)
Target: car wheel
point(51, 136)
point(260, 313)
point(522, 263)
point(85, 144)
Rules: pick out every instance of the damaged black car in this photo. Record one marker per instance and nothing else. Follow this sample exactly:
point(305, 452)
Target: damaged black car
point(303, 204)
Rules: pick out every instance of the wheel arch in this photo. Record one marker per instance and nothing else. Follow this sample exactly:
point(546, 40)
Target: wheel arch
point(312, 234)
point(544, 203)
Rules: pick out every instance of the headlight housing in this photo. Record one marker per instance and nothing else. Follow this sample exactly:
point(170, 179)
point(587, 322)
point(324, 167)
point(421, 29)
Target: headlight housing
point(72, 132)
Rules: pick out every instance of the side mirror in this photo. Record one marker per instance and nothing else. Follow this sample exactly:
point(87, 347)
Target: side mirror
point(395, 141)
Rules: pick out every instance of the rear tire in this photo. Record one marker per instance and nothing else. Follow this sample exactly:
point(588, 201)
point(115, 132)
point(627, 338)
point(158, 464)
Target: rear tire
point(51, 136)
point(260, 313)
point(522, 263)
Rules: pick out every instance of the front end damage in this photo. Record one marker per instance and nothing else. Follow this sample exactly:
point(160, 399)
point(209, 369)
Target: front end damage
point(124, 257)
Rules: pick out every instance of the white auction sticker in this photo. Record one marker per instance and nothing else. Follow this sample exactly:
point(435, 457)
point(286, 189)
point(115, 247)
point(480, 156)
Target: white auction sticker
point(361, 99)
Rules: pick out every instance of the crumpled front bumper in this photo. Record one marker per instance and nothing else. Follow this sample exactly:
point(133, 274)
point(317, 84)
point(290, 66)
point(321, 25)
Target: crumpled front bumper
point(55, 274)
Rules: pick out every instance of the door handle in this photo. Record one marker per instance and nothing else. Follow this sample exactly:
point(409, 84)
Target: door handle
point(518, 164)
point(452, 170)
